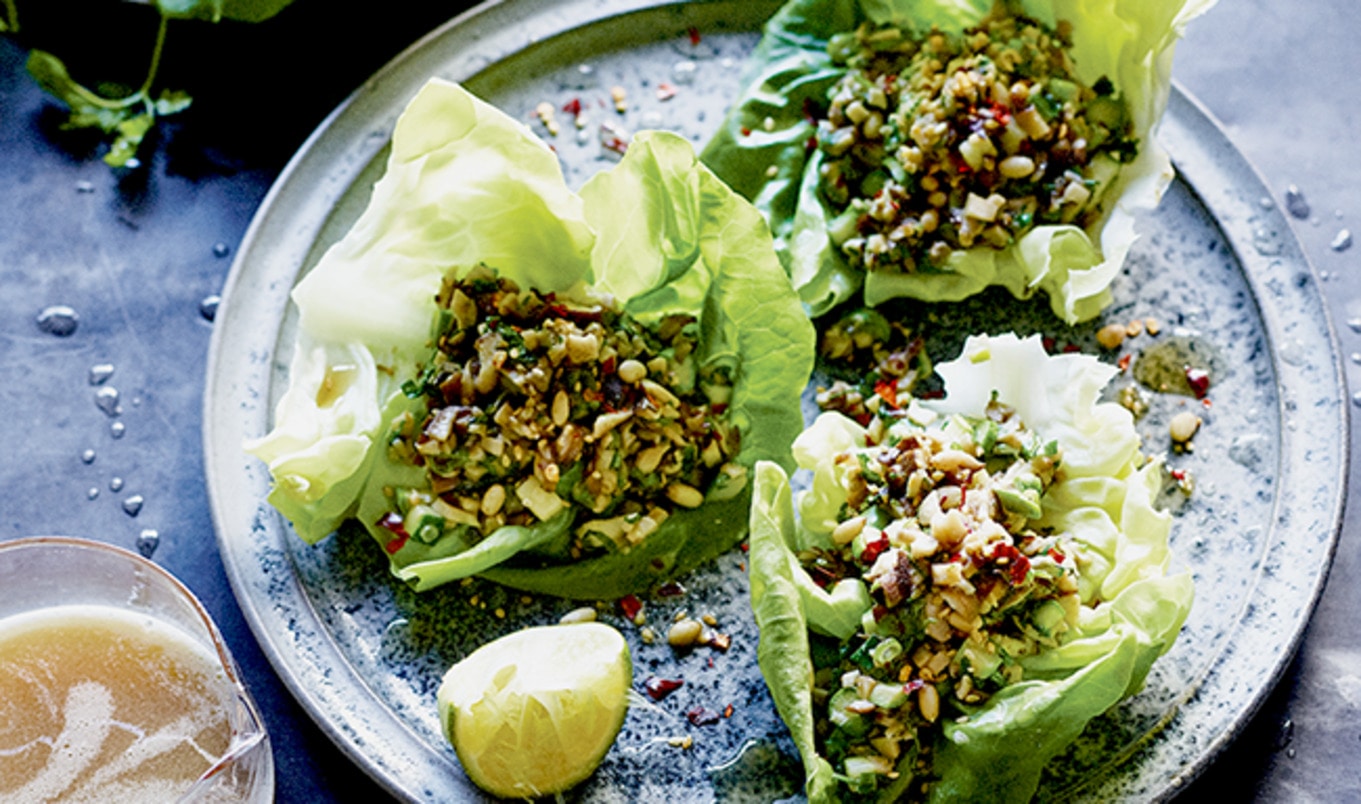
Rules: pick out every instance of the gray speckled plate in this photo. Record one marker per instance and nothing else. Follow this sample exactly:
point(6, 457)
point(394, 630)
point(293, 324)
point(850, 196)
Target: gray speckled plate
point(1217, 263)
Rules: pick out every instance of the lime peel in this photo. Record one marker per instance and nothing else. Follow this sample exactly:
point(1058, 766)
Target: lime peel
point(534, 712)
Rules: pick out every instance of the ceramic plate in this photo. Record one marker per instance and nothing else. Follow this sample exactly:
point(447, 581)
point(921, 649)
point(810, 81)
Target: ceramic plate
point(1217, 266)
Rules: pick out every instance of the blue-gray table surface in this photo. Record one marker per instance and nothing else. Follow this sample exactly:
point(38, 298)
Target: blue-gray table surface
point(137, 254)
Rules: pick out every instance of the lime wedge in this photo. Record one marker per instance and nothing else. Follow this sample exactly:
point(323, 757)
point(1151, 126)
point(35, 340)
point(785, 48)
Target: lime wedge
point(534, 712)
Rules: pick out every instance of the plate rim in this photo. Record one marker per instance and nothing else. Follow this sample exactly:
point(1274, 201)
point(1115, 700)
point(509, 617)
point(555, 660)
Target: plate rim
point(377, 96)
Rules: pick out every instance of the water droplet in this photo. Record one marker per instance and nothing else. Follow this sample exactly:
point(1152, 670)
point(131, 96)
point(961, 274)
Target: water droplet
point(116, 484)
point(1356, 358)
point(208, 307)
point(84, 187)
point(1295, 202)
point(133, 163)
point(1356, 399)
point(132, 506)
point(1294, 352)
point(106, 399)
point(221, 249)
point(1342, 240)
point(1248, 449)
point(1337, 213)
point(92, 493)
point(652, 119)
point(147, 542)
point(88, 456)
point(117, 429)
point(583, 136)
point(1266, 242)
point(100, 373)
point(1265, 202)
point(683, 72)
point(58, 320)
point(1354, 324)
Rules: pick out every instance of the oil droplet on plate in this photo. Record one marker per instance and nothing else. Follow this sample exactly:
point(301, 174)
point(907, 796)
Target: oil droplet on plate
point(1165, 366)
point(221, 249)
point(132, 506)
point(1354, 324)
point(92, 494)
point(1356, 399)
point(84, 187)
point(99, 374)
point(106, 399)
point(116, 485)
point(58, 320)
point(88, 456)
point(208, 307)
point(147, 542)
point(117, 429)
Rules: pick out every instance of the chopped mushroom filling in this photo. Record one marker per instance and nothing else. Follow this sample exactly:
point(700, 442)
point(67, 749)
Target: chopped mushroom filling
point(539, 402)
point(954, 141)
point(938, 525)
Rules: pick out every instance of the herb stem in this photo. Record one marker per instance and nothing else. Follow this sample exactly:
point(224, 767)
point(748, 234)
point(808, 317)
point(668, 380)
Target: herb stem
point(155, 65)
point(11, 17)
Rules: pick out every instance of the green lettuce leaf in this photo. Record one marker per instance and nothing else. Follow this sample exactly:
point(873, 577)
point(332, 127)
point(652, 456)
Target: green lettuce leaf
point(1132, 609)
point(762, 150)
point(466, 184)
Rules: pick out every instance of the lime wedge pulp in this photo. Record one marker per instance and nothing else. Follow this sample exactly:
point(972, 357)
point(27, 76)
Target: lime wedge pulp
point(534, 712)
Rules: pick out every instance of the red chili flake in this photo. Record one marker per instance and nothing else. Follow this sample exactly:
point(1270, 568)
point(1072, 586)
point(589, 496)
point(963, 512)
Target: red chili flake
point(670, 589)
point(711, 662)
point(932, 394)
point(811, 144)
point(1206, 403)
point(1199, 380)
point(745, 547)
point(1072, 347)
point(718, 408)
point(887, 390)
point(864, 419)
point(665, 91)
point(630, 605)
point(1020, 568)
point(607, 365)
point(1055, 554)
point(746, 132)
point(1178, 474)
point(727, 711)
point(616, 144)
point(1048, 343)
point(392, 521)
point(659, 688)
point(874, 549)
point(1124, 362)
point(699, 716)
point(879, 612)
point(396, 544)
point(694, 36)
point(573, 107)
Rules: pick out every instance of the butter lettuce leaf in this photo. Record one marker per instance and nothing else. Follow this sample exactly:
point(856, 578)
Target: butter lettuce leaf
point(762, 150)
point(466, 184)
point(1132, 609)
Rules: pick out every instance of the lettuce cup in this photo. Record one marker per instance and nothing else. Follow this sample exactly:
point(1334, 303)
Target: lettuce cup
point(930, 150)
point(965, 583)
point(559, 391)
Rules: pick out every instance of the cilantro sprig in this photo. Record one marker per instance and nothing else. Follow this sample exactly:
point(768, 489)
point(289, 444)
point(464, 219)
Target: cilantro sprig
point(127, 118)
